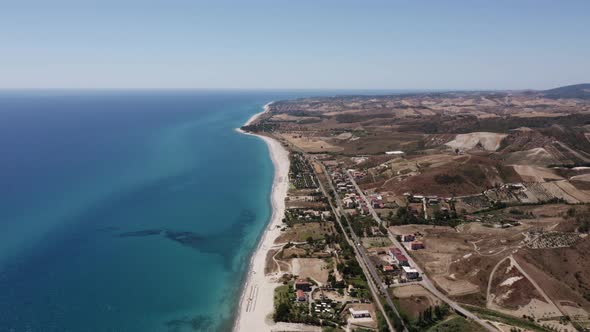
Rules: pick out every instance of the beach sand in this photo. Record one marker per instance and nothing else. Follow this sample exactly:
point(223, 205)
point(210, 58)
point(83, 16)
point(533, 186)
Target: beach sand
point(256, 302)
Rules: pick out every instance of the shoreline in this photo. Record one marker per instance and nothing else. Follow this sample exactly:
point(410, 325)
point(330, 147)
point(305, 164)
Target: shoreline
point(257, 294)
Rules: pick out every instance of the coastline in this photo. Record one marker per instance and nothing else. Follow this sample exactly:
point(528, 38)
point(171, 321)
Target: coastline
point(257, 298)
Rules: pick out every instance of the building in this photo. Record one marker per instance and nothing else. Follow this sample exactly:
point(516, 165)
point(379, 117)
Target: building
point(395, 153)
point(417, 245)
point(408, 238)
point(416, 199)
point(300, 295)
point(348, 203)
point(394, 252)
point(303, 285)
point(363, 209)
point(388, 268)
point(377, 203)
point(402, 260)
point(359, 313)
point(410, 273)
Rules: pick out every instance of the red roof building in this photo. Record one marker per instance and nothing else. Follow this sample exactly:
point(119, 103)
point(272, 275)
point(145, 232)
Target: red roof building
point(394, 251)
point(402, 260)
point(300, 295)
point(387, 268)
point(416, 245)
point(303, 285)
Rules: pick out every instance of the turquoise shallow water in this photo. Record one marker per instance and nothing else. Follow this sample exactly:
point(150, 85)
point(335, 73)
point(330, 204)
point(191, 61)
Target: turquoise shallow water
point(127, 211)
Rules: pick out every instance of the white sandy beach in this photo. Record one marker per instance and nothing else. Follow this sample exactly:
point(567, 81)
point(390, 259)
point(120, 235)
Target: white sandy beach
point(256, 302)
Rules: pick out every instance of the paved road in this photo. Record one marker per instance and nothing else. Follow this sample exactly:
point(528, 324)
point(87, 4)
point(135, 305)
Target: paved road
point(425, 280)
point(376, 284)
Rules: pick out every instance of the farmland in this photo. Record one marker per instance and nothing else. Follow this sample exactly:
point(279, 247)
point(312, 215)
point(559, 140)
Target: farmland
point(492, 187)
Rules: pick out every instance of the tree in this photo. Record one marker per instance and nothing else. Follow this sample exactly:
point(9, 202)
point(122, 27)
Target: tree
point(427, 315)
point(440, 311)
point(282, 313)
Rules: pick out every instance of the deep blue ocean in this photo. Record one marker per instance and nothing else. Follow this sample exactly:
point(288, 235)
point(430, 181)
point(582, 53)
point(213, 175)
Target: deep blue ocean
point(128, 210)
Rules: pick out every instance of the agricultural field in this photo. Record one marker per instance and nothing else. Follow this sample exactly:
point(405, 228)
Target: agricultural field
point(494, 184)
point(454, 324)
point(473, 263)
point(414, 299)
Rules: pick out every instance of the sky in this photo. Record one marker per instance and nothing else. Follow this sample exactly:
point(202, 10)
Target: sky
point(319, 44)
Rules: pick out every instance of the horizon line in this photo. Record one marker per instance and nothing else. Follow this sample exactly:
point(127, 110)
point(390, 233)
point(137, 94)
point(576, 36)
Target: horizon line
point(278, 89)
point(264, 89)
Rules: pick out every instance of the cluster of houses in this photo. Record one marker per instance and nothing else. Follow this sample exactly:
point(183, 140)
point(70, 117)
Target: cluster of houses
point(399, 257)
point(376, 201)
point(310, 214)
point(354, 201)
point(408, 273)
point(411, 242)
point(322, 306)
point(343, 183)
point(426, 201)
point(350, 198)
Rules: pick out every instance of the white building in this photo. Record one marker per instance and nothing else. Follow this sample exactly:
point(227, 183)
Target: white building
point(395, 153)
point(410, 273)
point(359, 313)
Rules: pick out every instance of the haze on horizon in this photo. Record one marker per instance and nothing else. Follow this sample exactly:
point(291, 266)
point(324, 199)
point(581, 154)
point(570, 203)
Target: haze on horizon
point(294, 44)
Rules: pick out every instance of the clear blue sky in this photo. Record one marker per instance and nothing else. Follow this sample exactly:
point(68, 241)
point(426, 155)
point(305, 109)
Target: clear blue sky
point(294, 44)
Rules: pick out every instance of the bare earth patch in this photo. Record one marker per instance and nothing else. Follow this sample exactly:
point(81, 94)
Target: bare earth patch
point(483, 140)
point(314, 268)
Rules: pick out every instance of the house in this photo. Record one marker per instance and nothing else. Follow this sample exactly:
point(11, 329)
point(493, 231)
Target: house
point(408, 238)
point(357, 174)
point(350, 289)
point(300, 295)
point(396, 253)
point(417, 245)
point(303, 285)
point(416, 199)
point(365, 209)
point(393, 252)
point(348, 203)
point(376, 231)
point(515, 186)
point(388, 268)
point(402, 260)
point(395, 153)
point(377, 203)
point(410, 273)
point(359, 313)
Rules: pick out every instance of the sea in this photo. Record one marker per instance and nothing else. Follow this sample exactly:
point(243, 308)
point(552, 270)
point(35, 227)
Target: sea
point(129, 210)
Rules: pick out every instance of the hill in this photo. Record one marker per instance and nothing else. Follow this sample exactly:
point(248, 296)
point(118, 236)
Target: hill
point(579, 91)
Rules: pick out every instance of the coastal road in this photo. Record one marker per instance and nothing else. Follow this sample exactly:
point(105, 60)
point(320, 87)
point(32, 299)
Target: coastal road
point(359, 258)
point(426, 283)
point(373, 279)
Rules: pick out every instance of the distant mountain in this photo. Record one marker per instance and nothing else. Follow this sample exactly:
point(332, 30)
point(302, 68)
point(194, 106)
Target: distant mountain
point(580, 91)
